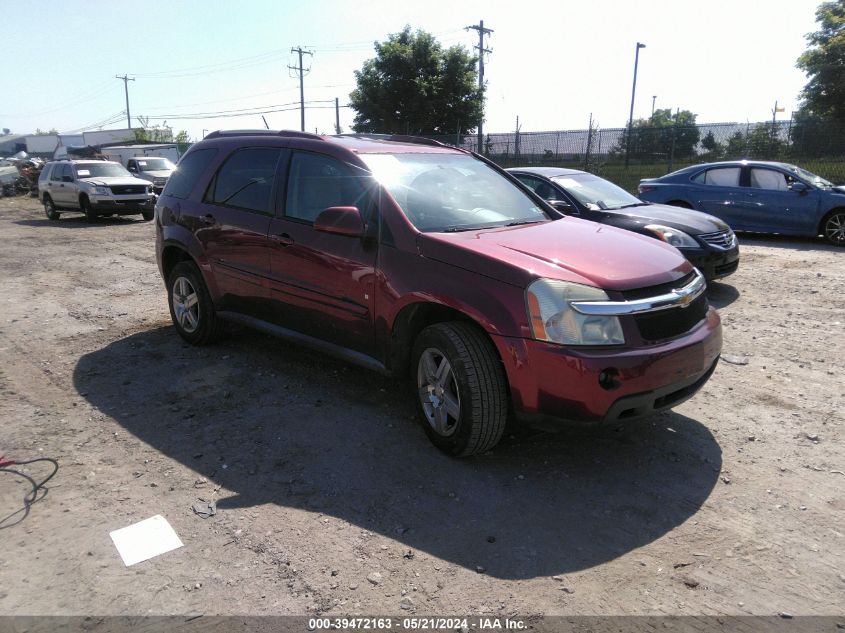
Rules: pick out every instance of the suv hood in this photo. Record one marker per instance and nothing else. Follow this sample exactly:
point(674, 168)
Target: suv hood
point(689, 221)
point(568, 249)
point(108, 181)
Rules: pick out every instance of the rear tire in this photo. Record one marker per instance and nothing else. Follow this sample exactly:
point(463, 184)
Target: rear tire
point(85, 206)
point(50, 208)
point(148, 215)
point(833, 227)
point(191, 307)
point(460, 387)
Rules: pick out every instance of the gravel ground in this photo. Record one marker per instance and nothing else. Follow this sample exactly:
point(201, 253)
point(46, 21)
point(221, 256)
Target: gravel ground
point(330, 500)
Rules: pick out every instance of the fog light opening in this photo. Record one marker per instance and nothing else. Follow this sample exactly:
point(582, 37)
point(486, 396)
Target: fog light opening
point(609, 379)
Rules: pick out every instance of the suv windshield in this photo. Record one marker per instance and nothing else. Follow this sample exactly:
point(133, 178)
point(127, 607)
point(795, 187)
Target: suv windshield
point(155, 164)
point(594, 192)
point(451, 192)
point(100, 170)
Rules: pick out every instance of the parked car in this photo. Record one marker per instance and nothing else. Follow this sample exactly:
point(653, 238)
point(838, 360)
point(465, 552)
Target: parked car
point(94, 188)
point(756, 196)
point(411, 257)
point(151, 168)
point(707, 242)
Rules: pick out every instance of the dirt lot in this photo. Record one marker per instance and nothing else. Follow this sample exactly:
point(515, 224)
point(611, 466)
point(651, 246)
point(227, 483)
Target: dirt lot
point(330, 498)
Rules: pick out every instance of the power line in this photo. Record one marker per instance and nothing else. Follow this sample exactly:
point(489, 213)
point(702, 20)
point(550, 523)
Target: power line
point(239, 114)
point(300, 70)
point(481, 50)
point(238, 111)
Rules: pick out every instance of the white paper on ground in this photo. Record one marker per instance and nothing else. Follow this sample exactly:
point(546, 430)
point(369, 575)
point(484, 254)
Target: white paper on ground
point(145, 539)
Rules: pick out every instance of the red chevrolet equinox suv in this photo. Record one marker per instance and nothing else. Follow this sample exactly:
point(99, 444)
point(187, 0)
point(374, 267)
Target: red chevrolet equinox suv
point(410, 257)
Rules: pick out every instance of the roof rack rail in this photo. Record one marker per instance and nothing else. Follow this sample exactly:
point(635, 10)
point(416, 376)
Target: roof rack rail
point(400, 138)
point(259, 132)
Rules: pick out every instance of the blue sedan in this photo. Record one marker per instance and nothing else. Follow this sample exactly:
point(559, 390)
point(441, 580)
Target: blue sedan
point(763, 197)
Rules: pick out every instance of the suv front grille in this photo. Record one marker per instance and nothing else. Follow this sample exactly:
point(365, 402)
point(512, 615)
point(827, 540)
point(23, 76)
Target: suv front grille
point(722, 239)
point(122, 190)
point(663, 324)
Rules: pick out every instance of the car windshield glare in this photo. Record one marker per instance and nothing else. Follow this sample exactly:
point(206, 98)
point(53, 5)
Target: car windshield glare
point(809, 176)
point(100, 170)
point(592, 191)
point(155, 164)
point(442, 192)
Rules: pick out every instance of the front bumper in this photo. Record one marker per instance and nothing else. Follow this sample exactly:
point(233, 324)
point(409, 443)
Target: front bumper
point(121, 205)
point(553, 382)
point(713, 263)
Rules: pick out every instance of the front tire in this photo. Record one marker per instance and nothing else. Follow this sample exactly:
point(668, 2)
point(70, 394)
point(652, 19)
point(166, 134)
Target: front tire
point(833, 227)
point(191, 308)
point(50, 209)
point(679, 203)
point(85, 206)
point(461, 388)
point(148, 215)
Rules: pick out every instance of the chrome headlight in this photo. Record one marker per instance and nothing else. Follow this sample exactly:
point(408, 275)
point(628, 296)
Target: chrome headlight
point(553, 318)
point(102, 191)
point(676, 238)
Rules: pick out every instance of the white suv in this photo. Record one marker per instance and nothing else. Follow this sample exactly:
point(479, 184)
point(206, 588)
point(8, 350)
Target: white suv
point(95, 188)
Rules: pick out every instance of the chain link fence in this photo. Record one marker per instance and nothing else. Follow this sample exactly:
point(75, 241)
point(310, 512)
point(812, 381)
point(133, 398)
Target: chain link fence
point(655, 151)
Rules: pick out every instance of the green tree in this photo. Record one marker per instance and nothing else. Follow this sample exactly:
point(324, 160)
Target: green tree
point(824, 63)
point(660, 135)
point(713, 149)
point(182, 137)
point(759, 142)
point(415, 86)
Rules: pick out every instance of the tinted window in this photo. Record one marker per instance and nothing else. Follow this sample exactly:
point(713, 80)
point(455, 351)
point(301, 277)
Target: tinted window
point(190, 168)
point(720, 177)
point(769, 179)
point(246, 180)
point(540, 187)
point(57, 172)
point(318, 182)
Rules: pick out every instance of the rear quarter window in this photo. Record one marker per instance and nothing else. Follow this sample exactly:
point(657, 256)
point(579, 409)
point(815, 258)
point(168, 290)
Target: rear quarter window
point(45, 173)
point(182, 181)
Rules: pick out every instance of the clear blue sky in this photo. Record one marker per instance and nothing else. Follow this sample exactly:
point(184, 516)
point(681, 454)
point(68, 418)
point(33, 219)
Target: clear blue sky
point(553, 63)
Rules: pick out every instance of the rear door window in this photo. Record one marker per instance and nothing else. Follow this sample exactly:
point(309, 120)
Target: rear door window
point(188, 171)
point(246, 180)
point(720, 177)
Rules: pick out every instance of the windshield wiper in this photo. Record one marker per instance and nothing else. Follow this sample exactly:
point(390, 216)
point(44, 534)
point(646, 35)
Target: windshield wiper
point(458, 229)
point(519, 222)
point(633, 204)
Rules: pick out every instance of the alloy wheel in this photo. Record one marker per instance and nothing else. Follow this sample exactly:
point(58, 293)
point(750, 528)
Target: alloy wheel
point(834, 229)
point(186, 305)
point(438, 392)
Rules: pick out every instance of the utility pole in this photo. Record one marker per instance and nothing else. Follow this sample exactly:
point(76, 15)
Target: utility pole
point(336, 115)
point(633, 94)
point(126, 81)
point(301, 73)
point(653, 99)
point(481, 50)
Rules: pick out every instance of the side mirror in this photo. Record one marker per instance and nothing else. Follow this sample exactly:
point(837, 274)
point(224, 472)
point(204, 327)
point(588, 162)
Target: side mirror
point(799, 187)
point(67, 178)
point(563, 206)
point(340, 221)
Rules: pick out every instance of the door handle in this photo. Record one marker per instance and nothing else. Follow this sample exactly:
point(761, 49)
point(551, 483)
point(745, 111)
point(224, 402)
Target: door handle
point(283, 239)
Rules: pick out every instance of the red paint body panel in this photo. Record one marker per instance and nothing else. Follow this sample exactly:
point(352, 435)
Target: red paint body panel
point(353, 291)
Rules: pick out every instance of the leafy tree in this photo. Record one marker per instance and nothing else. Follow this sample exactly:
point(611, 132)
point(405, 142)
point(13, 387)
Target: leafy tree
point(40, 132)
point(824, 63)
point(182, 137)
point(759, 142)
point(660, 135)
point(415, 86)
point(713, 149)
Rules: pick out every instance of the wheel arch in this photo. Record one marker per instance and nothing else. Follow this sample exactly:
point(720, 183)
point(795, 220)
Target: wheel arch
point(413, 319)
point(827, 214)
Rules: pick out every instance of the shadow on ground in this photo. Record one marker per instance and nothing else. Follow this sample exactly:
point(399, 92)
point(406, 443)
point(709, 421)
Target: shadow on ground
point(789, 242)
point(721, 294)
point(76, 221)
point(300, 430)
